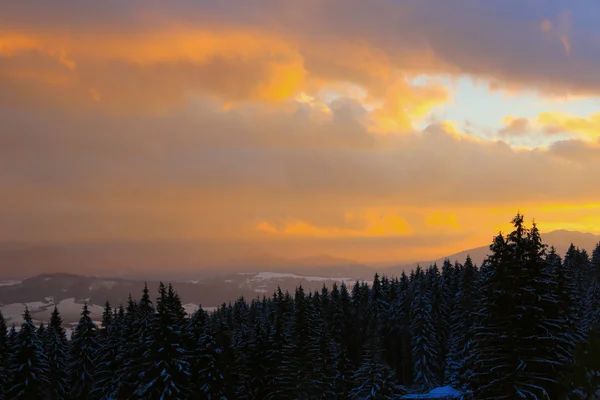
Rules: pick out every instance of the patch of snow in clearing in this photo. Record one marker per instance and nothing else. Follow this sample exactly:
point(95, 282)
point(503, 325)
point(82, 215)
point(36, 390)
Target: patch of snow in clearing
point(444, 392)
point(259, 290)
point(279, 275)
point(68, 306)
point(48, 278)
point(245, 273)
point(228, 281)
point(190, 308)
point(49, 299)
point(14, 312)
point(9, 283)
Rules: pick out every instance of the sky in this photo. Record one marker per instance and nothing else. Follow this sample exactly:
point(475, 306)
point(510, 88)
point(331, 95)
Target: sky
point(378, 131)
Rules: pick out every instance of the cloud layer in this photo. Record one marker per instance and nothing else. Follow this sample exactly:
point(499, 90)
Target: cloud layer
point(289, 121)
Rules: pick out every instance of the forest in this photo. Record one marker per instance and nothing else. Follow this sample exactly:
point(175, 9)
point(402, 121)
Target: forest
point(523, 325)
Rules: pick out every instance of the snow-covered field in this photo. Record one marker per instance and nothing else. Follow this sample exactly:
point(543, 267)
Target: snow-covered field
point(40, 311)
point(265, 282)
point(70, 310)
point(278, 275)
point(9, 283)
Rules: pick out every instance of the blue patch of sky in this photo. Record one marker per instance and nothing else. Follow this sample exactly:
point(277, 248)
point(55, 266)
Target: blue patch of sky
point(474, 104)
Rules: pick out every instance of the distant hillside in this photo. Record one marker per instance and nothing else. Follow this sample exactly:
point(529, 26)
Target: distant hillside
point(68, 291)
point(167, 261)
point(561, 239)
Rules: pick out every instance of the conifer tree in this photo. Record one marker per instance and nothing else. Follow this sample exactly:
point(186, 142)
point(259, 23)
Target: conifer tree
point(459, 363)
point(372, 379)
point(341, 332)
point(323, 345)
point(106, 382)
point(84, 347)
point(583, 381)
point(28, 365)
point(423, 337)
point(57, 348)
point(278, 338)
point(165, 367)
point(210, 378)
point(138, 317)
point(297, 373)
point(4, 353)
point(517, 352)
point(405, 299)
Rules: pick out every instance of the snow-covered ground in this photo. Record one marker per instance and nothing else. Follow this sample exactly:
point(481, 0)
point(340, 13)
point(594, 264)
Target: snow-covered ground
point(445, 392)
point(279, 275)
point(9, 283)
point(266, 282)
point(41, 310)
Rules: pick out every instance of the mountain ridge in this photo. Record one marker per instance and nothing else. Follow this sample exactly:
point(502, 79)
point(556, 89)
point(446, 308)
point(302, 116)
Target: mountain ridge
point(181, 261)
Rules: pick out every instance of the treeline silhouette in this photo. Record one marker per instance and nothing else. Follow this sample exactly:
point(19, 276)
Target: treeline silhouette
point(523, 326)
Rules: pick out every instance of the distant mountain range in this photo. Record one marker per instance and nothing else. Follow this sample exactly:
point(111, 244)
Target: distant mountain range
point(168, 261)
point(255, 274)
point(187, 261)
point(561, 239)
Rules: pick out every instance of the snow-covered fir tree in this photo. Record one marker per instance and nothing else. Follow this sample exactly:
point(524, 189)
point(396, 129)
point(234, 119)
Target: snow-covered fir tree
point(106, 383)
point(423, 335)
point(4, 353)
point(165, 365)
point(56, 346)
point(459, 366)
point(84, 347)
point(28, 364)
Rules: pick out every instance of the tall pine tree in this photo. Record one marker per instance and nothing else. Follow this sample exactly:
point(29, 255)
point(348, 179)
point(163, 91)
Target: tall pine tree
point(84, 346)
point(28, 365)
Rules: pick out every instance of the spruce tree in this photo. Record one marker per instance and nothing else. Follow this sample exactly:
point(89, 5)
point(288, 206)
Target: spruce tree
point(84, 347)
point(405, 300)
point(57, 349)
point(341, 334)
point(138, 322)
point(165, 366)
point(372, 380)
point(423, 336)
point(583, 380)
point(517, 351)
point(108, 360)
point(28, 365)
point(209, 379)
point(278, 337)
point(4, 353)
point(440, 317)
point(459, 363)
point(297, 373)
point(324, 348)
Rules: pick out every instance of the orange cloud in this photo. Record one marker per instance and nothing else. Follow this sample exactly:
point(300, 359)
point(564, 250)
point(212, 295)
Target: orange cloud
point(442, 219)
point(375, 223)
point(406, 104)
point(555, 122)
point(158, 69)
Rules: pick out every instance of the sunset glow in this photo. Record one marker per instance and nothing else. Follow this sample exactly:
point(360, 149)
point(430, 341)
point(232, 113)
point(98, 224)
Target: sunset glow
point(382, 132)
